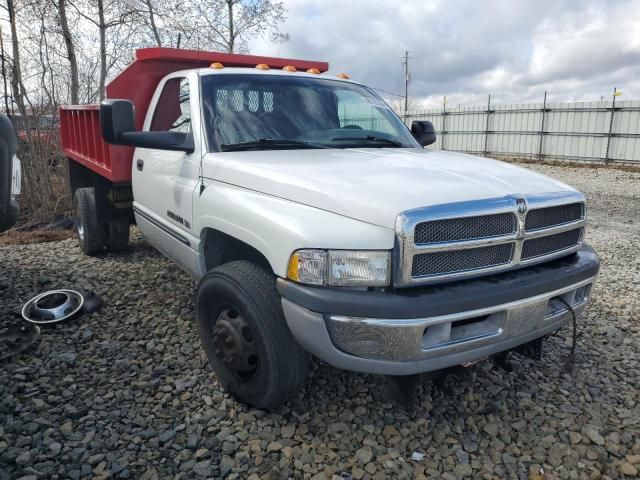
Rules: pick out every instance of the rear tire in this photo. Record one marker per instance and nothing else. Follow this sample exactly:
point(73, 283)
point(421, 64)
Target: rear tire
point(118, 234)
point(91, 234)
point(245, 335)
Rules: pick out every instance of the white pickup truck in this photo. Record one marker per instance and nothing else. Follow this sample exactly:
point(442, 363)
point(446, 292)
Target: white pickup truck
point(318, 224)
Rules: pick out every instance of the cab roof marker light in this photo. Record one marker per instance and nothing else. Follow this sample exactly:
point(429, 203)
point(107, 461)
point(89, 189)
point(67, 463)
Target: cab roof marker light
point(262, 66)
point(314, 71)
point(216, 66)
point(290, 68)
point(345, 76)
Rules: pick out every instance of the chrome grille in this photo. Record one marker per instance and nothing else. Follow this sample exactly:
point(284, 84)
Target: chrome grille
point(466, 239)
point(466, 228)
point(537, 247)
point(548, 217)
point(438, 263)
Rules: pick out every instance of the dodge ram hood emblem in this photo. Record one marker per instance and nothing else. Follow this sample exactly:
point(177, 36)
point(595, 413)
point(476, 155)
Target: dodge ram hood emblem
point(522, 206)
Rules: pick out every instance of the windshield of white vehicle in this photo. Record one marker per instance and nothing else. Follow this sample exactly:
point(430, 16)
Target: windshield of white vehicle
point(269, 112)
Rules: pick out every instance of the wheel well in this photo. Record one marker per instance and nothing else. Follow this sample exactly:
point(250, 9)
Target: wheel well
point(220, 248)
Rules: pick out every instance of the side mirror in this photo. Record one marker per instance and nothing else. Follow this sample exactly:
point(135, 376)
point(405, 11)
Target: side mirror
point(423, 132)
point(117, 123)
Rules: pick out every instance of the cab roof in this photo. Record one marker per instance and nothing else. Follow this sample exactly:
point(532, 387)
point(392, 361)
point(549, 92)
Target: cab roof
point(138, 81)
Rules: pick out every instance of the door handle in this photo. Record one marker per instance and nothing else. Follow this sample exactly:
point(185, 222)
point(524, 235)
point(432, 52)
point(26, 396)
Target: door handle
point(140, 164)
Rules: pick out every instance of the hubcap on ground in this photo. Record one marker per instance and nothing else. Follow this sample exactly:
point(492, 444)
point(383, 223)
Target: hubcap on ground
point(234, 344)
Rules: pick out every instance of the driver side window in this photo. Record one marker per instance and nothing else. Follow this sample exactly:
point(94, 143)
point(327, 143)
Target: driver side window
point(173, 111)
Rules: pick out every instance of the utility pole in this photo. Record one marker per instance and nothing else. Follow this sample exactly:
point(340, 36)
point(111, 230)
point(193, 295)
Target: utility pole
point(406, 83)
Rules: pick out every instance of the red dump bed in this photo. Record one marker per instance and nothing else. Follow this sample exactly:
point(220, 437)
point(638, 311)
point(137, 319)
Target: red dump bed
point(80, 126)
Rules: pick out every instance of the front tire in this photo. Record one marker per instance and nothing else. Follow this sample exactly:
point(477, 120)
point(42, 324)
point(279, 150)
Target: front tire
point(91, 234)
point(245, 335)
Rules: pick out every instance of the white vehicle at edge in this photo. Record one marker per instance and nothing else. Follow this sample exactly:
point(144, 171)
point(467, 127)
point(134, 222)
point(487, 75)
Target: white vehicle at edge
point(317, 224)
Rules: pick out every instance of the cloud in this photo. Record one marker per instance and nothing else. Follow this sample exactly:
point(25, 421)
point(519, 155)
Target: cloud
point(464, 49)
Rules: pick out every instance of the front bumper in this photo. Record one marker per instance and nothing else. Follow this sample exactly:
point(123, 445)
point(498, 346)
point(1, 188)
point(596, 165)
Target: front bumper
point(424, 329)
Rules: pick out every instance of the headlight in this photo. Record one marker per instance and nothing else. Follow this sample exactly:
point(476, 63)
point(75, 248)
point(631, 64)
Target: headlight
point(16, 176)
point(341, 268)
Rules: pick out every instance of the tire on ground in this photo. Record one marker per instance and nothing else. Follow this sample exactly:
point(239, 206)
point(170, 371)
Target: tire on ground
point(282, 365)
point(118, 234)
point(91, 233)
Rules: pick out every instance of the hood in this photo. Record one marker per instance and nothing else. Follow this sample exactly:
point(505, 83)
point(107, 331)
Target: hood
point(375, 185)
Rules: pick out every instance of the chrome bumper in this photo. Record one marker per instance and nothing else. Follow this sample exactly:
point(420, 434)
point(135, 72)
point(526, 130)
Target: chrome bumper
point(408, 346)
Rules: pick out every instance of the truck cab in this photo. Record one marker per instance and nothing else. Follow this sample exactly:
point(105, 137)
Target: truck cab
point(316, 223)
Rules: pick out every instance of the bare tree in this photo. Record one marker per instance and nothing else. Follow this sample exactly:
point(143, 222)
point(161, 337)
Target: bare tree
point(228, 24)
point(17, 88)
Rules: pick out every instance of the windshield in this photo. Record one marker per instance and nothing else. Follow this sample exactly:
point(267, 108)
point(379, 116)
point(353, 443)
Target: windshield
point(269, 112)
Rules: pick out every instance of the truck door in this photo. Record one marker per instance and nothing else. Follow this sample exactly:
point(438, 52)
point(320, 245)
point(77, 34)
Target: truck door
point(164, 181)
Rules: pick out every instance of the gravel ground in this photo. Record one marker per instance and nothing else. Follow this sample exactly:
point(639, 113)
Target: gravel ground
point(126, 393)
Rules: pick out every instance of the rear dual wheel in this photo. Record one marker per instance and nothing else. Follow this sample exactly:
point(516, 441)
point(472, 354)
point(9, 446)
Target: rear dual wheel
point(95, 237)
point(245, 336)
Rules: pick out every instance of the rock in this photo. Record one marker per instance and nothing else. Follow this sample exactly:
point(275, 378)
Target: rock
point(594, 435)
point(201, 452)
point(205, 469)
point(167, 436)
point(390, 431)
point(226, 465)
point(629, 470)
point(575, 438)
point(491, 429)
point(23, 459)
point(462, 456)
point(274, 447)
point(633, 459)
point(364, 455)
point(54, 448)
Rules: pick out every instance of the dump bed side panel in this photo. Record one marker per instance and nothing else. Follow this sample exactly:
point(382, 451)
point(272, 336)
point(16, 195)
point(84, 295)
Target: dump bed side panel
point(82, 142)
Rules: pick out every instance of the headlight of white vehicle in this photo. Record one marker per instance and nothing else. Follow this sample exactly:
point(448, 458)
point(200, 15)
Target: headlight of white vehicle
point(16, 176)
point(341, 268)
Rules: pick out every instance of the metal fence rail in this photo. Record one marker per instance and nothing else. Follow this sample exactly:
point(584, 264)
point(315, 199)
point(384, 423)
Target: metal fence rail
point(606, 131)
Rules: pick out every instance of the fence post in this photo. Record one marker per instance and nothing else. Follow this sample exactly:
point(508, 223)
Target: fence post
point(444, 122)
point(613, 110)
point(486, 127)
point(544, 111)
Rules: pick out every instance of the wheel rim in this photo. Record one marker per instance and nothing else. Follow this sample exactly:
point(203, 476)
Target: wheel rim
point(234, 344)
point(81, 231)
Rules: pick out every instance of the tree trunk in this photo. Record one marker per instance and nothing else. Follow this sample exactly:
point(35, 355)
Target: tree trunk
point(231, 40)
point(103, 48)
point(152, 22)
point(16, 71)
point(71, 51)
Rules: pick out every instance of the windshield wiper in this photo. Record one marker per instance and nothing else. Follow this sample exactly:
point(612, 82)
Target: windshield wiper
point(372, 138)
point(266, 143)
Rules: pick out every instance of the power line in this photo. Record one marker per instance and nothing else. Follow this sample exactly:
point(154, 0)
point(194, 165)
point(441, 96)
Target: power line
point(386, 91)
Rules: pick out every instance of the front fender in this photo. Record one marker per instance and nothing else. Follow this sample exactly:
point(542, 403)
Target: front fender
point(277, 227)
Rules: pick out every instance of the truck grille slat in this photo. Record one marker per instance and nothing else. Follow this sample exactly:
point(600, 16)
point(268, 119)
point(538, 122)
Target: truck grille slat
point(466, 228)
point(537, 247)
point(552, 216)
point(438, 263)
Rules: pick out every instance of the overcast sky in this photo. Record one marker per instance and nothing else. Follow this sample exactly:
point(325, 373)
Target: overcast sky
point(465, 49)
